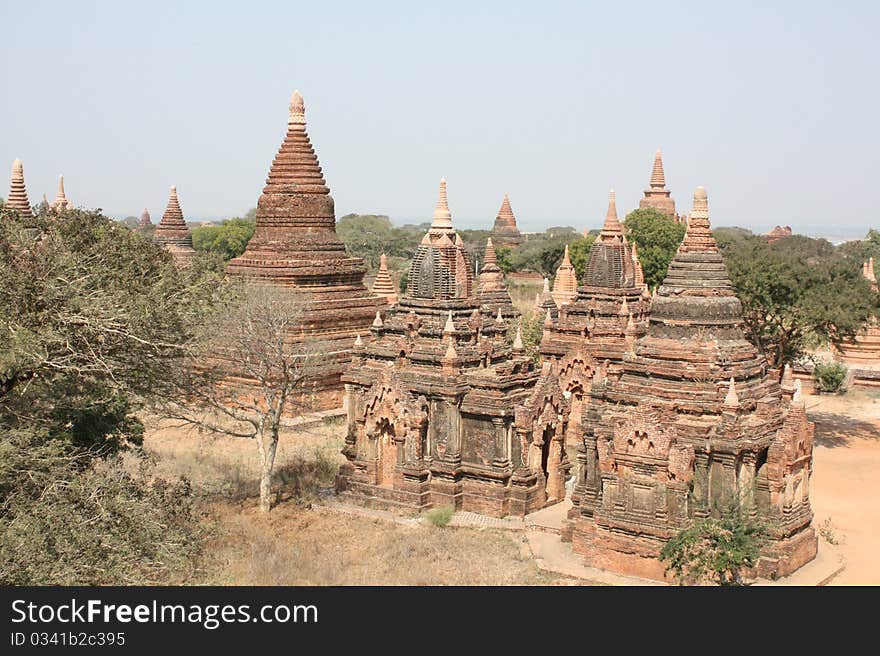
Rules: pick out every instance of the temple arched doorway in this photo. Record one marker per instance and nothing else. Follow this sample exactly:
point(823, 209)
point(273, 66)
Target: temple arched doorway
point(386, 446)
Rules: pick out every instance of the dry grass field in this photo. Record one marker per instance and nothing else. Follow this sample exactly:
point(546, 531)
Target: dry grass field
point(302, 542)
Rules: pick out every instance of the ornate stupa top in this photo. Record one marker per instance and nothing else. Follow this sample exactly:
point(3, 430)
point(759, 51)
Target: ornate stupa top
point(658, 177)
point(698, 236)
point(61, 202)
point(442, 220)
point(612, 229)
point(297, 109)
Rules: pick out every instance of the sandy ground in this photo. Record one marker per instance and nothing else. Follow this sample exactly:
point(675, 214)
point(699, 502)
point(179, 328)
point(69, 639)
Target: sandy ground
point(845, 485)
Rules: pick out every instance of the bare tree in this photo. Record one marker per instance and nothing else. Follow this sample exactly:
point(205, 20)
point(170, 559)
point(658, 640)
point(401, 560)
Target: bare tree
point(247, 372)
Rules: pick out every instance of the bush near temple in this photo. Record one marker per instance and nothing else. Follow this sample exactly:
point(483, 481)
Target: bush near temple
point(829, 376)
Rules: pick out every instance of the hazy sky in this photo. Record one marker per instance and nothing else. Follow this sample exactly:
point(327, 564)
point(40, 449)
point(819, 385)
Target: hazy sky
point(773, 107)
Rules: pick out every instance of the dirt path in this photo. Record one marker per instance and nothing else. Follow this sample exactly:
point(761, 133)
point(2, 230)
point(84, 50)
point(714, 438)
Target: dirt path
point(845, 486)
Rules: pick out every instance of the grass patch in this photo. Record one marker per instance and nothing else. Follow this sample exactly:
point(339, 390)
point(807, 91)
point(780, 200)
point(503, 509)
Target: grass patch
point(440, 517)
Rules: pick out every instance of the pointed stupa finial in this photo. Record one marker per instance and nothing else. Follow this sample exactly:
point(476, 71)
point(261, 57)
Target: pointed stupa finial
point(451, 353)
point(612, 227)
point(548, 319)
point(384, 285)
point(297, 109)
point(518, 341)
point(731, 399)
point(442, 215)
point(499, 318)
point(377, 322)
point(798, 397)
point(449, 327)
point(546, 289)
point(490, 258)
point(698, 235)
point(566, 260)
point(61, 202)
point(358, 342)
point(658, 177)
point(624, 308)
point(787, 378)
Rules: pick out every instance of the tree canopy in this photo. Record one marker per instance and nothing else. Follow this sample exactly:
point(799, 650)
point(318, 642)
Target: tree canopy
point(796, 292)
point(657, 238)
point(227, 240)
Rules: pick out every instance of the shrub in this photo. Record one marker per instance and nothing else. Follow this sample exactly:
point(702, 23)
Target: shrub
point(829, 376)
point(440, 517)
point(716, 550)
point(69, 519)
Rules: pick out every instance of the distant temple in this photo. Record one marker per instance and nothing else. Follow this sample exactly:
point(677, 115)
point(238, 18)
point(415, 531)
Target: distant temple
point(690, 421)
point(505, 231)
point(61, 202)
point(145, 222)
point(657, 195)
point(173, 233)
point(442, 411)
point(778, 233)
point(18, 198)
point(295, 245)
point(383, 285)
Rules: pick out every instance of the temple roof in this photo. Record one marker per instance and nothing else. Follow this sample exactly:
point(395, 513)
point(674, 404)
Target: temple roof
point(611, 263)
point(658, 177)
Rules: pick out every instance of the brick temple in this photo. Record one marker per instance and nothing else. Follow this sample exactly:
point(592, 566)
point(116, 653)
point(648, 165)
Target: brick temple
point(145, 222)
point(442, 411)
point(491, 288)
point(173, 233)
point(691, 419)
point(594, 330)
point(295, 245)
point(505, 231)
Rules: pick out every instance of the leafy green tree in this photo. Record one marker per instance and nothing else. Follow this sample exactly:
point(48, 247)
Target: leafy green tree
point(795, 292)
point(503, 255)
point(227, 240)
point(716, 550)
point(369, 235)
point(92, 317)
point(657, 237)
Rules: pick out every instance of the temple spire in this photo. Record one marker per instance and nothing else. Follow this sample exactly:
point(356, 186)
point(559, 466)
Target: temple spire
point(442, 215)
point(658, 177)
point(490, 258)
point(61, 202)
point(383, 285)
point(565, 284)
point(698, 236)
point(612, 227)
point(18, 198)
point(731, 399)
point(297, 109)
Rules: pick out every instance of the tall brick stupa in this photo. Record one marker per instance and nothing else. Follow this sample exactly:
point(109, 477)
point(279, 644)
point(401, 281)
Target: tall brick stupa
point(505, 231)
point(18, 198)
point(295, 245)
point(173, 233)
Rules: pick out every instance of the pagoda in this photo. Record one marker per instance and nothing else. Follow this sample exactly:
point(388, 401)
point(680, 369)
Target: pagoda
point(383, 285)
point(491, 289)
point(145, 222)
point(595, 328)
point(691, 423)
point(657, 195)
point(442, 411)
point(295, 245)
point(18, 198)
point(505, 231)
point(61, 202)
point(865, 348)
point(565, 283)
point(173, 233)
